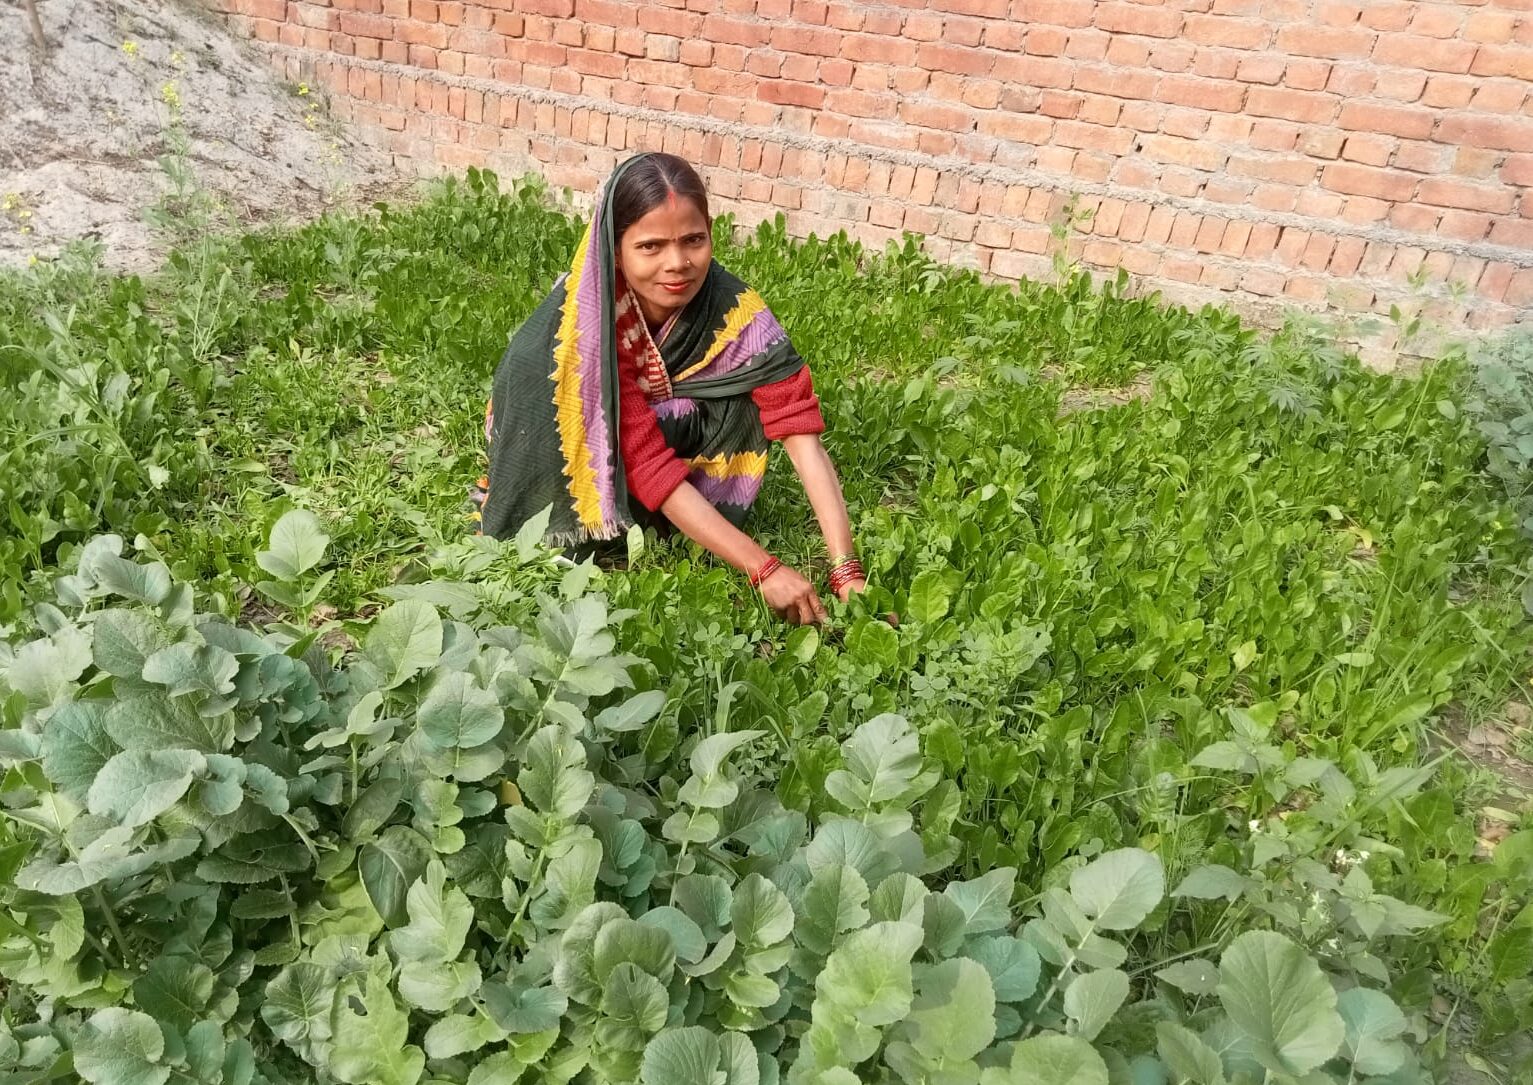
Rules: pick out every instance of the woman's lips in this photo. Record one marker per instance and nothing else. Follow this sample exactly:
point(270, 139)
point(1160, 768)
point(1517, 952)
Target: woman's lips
point(675, 288)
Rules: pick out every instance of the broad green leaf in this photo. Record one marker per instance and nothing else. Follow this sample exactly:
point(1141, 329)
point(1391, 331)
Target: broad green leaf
point(458, 1034)
point(685, 934)
point(1050, 1060)
point(370, 1048)
point(834, 901)
point(930, 596)
point(523, 1009)
point(1275, 993)
point(457, 714)
point(136, 786)
point(186, 668)
point(554, 779)
point(76, 747)
point(389, 866)
point(142, 583)
point(1374, 1025)
point(868, 976)
point(120, 1047)
point(436, 986)
point(844, 841)
point(440, 919)
point(882, 758)
point(205, 1050)
point(632, 714)
point(944, 923)
point(123, 640)
point(1187, 1056)
point(45, 670)
point(899, 898)
point(1119, 888)
point(297, 545)
point(1013, 965)
point(627, 941)
point(635, 1004)
point(175, 990)
point(760, 913)
point(1093, 998)
point(873, 642)
point(1196, 977)
point(953, 1015)
point(986, 901)
point(707, 899)
point(1212, 882)
point(299, 1005)
point(681, 1056)
point(153, 721)
point(403, 640)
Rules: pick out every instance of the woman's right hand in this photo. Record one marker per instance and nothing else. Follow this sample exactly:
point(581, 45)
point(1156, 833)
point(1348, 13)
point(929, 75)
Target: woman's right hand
point(792, 597)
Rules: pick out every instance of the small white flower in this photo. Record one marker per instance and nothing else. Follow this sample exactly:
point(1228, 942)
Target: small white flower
point(1362, 856)
point(1254, 826)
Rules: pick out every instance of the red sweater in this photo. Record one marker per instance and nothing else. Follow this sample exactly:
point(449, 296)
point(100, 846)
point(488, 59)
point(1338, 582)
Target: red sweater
point(787, 407)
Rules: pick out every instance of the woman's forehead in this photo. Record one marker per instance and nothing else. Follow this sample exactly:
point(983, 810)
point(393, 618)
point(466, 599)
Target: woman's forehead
point(675, 217)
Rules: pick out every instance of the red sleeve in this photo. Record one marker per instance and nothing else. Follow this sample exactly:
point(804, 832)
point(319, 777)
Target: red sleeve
point(789, 407)
point(652, 468)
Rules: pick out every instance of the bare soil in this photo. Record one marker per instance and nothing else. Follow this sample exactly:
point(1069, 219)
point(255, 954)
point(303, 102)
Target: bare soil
point(84, 126)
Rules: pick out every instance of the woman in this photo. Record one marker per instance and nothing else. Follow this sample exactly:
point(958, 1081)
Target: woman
point(648, 386)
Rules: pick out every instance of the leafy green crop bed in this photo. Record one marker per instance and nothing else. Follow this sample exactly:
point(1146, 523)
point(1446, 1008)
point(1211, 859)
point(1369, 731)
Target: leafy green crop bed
point(1146, 787)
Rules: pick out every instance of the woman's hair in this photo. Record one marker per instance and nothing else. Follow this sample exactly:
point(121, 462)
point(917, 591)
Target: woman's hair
point(648, 183)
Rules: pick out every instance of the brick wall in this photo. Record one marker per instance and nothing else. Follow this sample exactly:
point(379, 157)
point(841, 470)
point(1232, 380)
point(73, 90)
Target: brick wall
point(1324, 153)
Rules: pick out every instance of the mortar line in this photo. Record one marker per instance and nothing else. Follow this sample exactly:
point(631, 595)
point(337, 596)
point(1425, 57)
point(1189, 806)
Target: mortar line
point(978, 171)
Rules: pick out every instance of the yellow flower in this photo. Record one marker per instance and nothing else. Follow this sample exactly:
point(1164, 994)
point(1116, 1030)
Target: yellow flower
point(171, 95)
point(32, 260)
point(303, 90)
point(177, 58)
point(131, 48)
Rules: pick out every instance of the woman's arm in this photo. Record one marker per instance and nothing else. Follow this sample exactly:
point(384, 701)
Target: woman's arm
point(786, 591)
point(823, 489)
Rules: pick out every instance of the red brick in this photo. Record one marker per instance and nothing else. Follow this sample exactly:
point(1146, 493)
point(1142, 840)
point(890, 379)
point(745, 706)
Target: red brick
point(1365, 181)
point(938, 57)
point(1369, 150)
point(1055, 12)
point(1490, 27)
point(858, 103)
point(1184, 152)
point(931, 115)
point(1308, 75)
point(1493, 60)
point(1047, 41)
point(1464, 225)
point(1437, 21)
point(1504, 133)
point(1443, 192)
point(1501, 96)
point(1232, 32)
point(1201, 93)
point(1409, 51)
point(1291, 104)
point(1121, 18)
point(1261, 68)
point(1325, 41)
point(783, 92)
point(813, 41)
point(1117, 141)
point(1519, 290)
point(1518, 170)
point(1402, 86)
point(1405, 121)
point(963, 31)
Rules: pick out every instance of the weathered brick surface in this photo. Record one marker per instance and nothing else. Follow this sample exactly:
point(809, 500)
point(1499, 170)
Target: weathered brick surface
point(1315, 152)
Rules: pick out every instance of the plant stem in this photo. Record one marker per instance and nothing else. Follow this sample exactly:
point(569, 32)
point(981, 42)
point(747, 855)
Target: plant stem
point(36, 24)
point(111, 922)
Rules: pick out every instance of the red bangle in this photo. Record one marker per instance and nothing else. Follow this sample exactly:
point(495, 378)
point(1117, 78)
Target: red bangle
point(768, 567)
point(846, 573)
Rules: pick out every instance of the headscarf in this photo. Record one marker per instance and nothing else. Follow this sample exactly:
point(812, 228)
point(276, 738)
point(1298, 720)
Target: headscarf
point(559, 448)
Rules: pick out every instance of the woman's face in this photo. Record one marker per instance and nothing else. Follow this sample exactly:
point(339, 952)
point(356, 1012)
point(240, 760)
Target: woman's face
point(665, 255)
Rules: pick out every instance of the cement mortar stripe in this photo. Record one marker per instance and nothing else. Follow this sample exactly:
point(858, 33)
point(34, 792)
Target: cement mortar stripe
point(976, 171)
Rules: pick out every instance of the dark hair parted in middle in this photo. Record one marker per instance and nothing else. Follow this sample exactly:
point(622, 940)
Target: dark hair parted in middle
point(648, 183)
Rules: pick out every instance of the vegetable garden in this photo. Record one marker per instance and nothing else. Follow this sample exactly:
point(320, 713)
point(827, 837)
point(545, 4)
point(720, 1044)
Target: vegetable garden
point(1153, 783)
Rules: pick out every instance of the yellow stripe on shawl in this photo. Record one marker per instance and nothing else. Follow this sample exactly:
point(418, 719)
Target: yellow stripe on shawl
point(746, 308)
point(567, 399)
point(753, 464)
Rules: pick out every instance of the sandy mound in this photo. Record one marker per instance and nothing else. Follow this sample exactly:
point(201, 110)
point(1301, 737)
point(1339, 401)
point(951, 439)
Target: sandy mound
point(84, 127)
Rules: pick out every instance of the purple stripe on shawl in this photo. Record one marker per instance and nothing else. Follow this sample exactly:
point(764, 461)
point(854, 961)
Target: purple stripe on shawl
point(740, 490)
point(588, 344)
point(755, 337)
point(675, 408)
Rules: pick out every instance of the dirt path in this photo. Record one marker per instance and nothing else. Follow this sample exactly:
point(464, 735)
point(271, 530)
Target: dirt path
point(83, 129)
